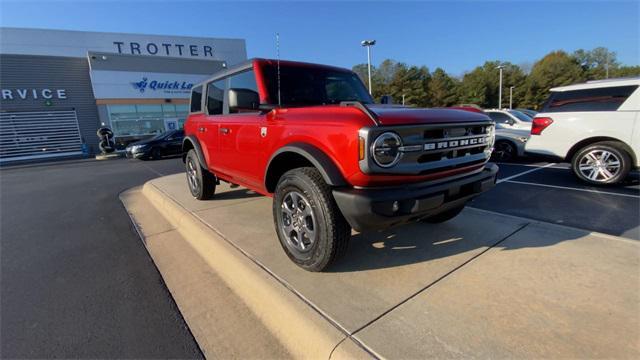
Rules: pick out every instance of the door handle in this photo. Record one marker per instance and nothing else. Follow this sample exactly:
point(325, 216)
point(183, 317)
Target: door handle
point(202, 129)
point(224, 130)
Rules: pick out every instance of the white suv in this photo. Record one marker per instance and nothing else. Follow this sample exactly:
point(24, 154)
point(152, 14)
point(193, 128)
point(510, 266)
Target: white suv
point(595, 126)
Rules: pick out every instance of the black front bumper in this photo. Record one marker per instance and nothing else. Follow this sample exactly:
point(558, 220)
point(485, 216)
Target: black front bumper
point(372, 209)
point(136, 155)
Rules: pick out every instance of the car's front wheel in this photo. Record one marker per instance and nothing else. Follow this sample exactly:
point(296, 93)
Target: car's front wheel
point(311, 228)
point(602, 163)
point(202, 183)
point(504, 151)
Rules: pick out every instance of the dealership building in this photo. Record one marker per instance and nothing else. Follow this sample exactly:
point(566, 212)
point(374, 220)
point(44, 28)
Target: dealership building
point(58, 87)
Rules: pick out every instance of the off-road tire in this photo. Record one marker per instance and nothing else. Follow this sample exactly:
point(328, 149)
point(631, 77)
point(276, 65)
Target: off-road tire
point(332, 232)
point(201, 183)
point(444, 216)
point(616, 151)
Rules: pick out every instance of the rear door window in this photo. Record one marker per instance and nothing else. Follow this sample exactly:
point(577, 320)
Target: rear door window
point(196, 99)
point(215, 97)
point(600, 99)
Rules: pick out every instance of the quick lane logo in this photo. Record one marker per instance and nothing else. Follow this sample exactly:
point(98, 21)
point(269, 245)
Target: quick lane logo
point(168, 86)
point(450, 144)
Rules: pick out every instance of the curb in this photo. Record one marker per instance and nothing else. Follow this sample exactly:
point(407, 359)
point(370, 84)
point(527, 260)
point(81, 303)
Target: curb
point(299, 328)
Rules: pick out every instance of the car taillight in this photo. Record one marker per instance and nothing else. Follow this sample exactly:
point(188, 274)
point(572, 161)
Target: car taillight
point(539, 124)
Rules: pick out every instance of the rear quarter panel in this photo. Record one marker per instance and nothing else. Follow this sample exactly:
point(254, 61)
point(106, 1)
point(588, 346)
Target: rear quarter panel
point(569, 128)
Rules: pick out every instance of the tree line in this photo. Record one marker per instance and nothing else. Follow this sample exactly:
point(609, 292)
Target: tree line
point(423, 88)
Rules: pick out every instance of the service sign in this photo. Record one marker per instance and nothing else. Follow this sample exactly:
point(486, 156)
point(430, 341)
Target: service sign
point(33, 94)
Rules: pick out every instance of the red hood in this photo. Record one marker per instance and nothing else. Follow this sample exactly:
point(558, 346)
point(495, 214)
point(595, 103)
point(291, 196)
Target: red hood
point(396, 115)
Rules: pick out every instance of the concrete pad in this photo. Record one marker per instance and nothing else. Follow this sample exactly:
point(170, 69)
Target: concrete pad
point(379, 269)
point(148, 219)
point(176, 187)
point(545, 292)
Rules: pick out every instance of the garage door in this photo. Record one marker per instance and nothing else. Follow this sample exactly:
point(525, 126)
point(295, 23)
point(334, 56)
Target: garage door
point(28, 135)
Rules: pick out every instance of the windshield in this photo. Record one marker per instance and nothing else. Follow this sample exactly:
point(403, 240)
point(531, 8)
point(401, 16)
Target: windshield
point(303, 85)
point(521, 116)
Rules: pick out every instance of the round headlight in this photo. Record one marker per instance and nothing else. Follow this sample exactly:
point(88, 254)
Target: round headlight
point(385, 149)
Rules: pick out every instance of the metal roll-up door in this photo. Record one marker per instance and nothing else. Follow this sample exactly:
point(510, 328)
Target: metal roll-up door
point(26, 135)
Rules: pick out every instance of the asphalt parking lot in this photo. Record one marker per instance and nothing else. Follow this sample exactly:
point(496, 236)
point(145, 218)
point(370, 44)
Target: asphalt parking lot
point(76, 282)
point(550, 192)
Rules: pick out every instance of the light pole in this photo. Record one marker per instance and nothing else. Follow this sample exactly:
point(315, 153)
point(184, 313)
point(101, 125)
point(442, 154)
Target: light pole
point(368, 44)
point(500, 87)
point(511, 97)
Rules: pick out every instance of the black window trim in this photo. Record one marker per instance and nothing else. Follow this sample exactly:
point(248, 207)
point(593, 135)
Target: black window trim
point(225, 108)
point(228, 86)
point(547, 108)
point(201, 97)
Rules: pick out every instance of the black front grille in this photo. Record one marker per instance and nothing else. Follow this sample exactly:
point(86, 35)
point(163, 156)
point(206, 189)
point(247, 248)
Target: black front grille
point(432, 134)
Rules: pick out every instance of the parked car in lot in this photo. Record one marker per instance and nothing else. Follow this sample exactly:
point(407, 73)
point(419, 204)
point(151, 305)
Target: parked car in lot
point(509, 119)
point(165, 144)
point(530, 113)
point(311, 137)
point(510, 144)
point(512, 132)
point(595, 126)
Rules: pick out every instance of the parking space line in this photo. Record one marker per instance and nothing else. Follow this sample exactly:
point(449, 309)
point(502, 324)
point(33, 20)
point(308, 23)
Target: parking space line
point(525, 173)
point(572, 188)
point(559, 166)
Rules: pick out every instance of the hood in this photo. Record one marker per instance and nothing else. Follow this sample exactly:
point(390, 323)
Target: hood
point(399, 115)
point(144, 141)
point(514, 132)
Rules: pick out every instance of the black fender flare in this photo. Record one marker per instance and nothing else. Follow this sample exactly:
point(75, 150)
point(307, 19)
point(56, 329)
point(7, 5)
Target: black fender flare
point(196, 146)
point(321, 161)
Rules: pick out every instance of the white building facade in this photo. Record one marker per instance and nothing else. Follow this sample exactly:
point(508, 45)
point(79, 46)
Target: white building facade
point(59, 87)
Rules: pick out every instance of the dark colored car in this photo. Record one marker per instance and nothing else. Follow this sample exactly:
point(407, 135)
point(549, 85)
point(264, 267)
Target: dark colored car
point(165, 144)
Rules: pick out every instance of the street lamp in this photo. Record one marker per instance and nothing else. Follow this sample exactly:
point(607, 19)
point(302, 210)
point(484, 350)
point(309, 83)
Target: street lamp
point(511, 97)
point(500, 87)
point(368, 44)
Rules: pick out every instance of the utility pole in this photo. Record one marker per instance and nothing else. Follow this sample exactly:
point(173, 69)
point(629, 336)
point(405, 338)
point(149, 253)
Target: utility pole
point(368, 44)
point(500, 87)
point(511, 97)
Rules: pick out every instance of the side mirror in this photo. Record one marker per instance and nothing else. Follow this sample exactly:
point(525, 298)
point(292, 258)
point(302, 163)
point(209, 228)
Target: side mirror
point(511, 122)
point(243, 99)
point(386, 99)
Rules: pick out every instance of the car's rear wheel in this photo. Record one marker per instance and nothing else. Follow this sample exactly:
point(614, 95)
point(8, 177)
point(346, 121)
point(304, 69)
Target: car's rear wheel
point(311, 229)
point(202, 183)
point(602, 163)
point(504, 151)
point(444, 216)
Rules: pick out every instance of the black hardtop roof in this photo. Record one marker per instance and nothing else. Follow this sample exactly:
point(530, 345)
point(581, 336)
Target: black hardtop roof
point(248, 64)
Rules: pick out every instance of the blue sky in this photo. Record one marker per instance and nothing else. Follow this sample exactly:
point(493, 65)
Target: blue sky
point(456, 36)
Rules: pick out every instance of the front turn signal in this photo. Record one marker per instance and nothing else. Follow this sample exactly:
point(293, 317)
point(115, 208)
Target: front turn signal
point(361, 149)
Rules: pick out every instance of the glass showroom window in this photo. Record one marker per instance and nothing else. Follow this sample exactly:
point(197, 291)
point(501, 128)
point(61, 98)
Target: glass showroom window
point(144, 119)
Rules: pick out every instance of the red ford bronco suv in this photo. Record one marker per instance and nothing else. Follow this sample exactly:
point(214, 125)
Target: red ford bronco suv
point(311, 137)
